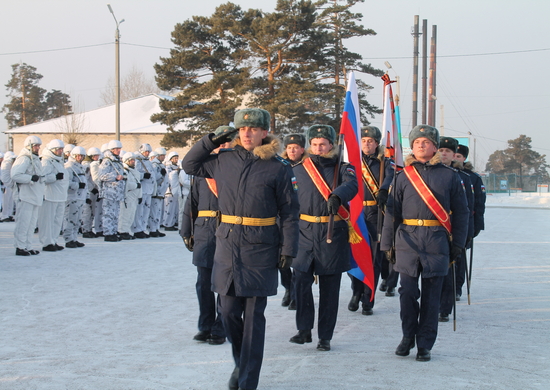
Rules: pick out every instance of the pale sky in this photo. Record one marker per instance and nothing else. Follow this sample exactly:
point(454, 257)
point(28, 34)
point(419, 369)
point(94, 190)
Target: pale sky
point(493, 55)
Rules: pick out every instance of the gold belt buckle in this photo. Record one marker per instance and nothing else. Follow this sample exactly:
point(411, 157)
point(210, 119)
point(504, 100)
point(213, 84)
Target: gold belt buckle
point(238, 220)
point(420, 222)
point(317, 219)
point(213, 213)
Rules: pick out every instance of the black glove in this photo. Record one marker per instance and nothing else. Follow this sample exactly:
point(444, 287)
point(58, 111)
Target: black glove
point(223, 137)
point(95, 191)
point(382, 198)
point(89, 201)
point(146, 175)
point(455, 252)
point(285, 262)
point(390, 255)
point(138, 185)
point(189, 241)
point(163, 171)
point(81, 185)
point(476, 232)
point(333, 204)
point(140, 200)
point(35, 178)
point(59, 176)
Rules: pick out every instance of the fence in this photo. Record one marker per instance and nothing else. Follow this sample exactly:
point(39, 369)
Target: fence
point(511, 183)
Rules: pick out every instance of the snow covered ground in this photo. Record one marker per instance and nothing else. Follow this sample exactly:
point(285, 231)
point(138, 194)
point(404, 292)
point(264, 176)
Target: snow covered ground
point(122, 316)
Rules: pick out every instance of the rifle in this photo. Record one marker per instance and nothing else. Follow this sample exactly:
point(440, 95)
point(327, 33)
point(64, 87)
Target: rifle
point(330, 226)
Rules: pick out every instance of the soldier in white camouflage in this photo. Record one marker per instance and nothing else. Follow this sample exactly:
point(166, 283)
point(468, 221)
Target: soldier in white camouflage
point(76, 198)
point(157, 198)
point(145, 167)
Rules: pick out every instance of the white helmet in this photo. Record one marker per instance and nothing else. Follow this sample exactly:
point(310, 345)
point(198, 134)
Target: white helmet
point(171, 155)
point(9, 155)
point(114, 144)
point(93, 151)
point(32, 140)
point(128, 156)
point(145, 148)
point(78, 150)
point(68, 148)
point(55, 143)
point(160, 151)
point(104, 148)
point(153, 154)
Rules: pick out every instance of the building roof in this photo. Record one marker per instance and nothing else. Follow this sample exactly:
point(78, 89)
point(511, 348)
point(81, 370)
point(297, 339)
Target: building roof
point(135, 118)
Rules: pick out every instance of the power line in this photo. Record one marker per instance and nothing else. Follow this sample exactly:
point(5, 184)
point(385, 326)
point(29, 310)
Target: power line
point(49, 50)
point(460, 55)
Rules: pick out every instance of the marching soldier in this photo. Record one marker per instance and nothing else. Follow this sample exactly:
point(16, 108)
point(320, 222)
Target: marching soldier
point(376, 195)
point(148, 182)
point(77, 194)
point(157, 199)
point(447, 150)
point(112, 177)
point(316, 257)
point(479, 207)
point(255, 187)
point(417, 227)
point(28, 179)
point(132, 196)
point(51, 214)
point(294, 152)
point(198, 230)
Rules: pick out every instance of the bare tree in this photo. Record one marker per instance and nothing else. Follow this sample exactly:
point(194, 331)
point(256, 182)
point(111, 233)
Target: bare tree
point(73, 126)
point(134, 84)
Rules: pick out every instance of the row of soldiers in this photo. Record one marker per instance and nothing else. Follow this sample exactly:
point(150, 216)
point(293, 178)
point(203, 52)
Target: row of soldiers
point(252, 211)
point(120, 195)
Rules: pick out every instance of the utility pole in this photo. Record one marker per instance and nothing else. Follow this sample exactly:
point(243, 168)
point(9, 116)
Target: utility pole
point(432, 90)
point(442, 126)
point(424, 70)
point(415, 35)
point(117, 74)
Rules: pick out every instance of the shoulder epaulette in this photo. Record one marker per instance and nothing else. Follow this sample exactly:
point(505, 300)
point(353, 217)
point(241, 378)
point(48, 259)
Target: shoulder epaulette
point(282, 160)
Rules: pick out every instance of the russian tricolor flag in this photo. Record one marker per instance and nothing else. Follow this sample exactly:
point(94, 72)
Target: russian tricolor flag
point(361, 253)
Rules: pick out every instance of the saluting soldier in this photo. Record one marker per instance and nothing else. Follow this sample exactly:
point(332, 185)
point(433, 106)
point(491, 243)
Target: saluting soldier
point(255, 186)
point(294, 152)
point(418, 227)
point(447, 150)
point(316, 257)
point(480, 197)
point(198, 230)
point(376, 195)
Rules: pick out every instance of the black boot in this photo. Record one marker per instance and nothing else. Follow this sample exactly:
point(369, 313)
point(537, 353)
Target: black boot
point(423, 355)
point(354, 303)
point(286, 298)
point(404, 348)
point(323, 345)
point(303, 336)
point(234, 379)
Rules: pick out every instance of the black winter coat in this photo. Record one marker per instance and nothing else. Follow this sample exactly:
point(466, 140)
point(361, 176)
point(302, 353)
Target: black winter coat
point(479, 197)
point(255, 184)
point(201, 198)
point(330, 258)
point(427, 246)
point(371, 212)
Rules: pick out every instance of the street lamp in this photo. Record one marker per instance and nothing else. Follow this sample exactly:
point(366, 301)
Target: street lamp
point(117, 73)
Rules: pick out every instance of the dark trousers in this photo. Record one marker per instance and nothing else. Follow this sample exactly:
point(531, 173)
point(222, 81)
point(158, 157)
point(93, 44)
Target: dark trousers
point(244, 323)
point(388, 273)
point(448, 293)
point(209, 308)
point(329, 294)
point(460, 272)
point(420, 320)
point(287, 281)
point(361, 289)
